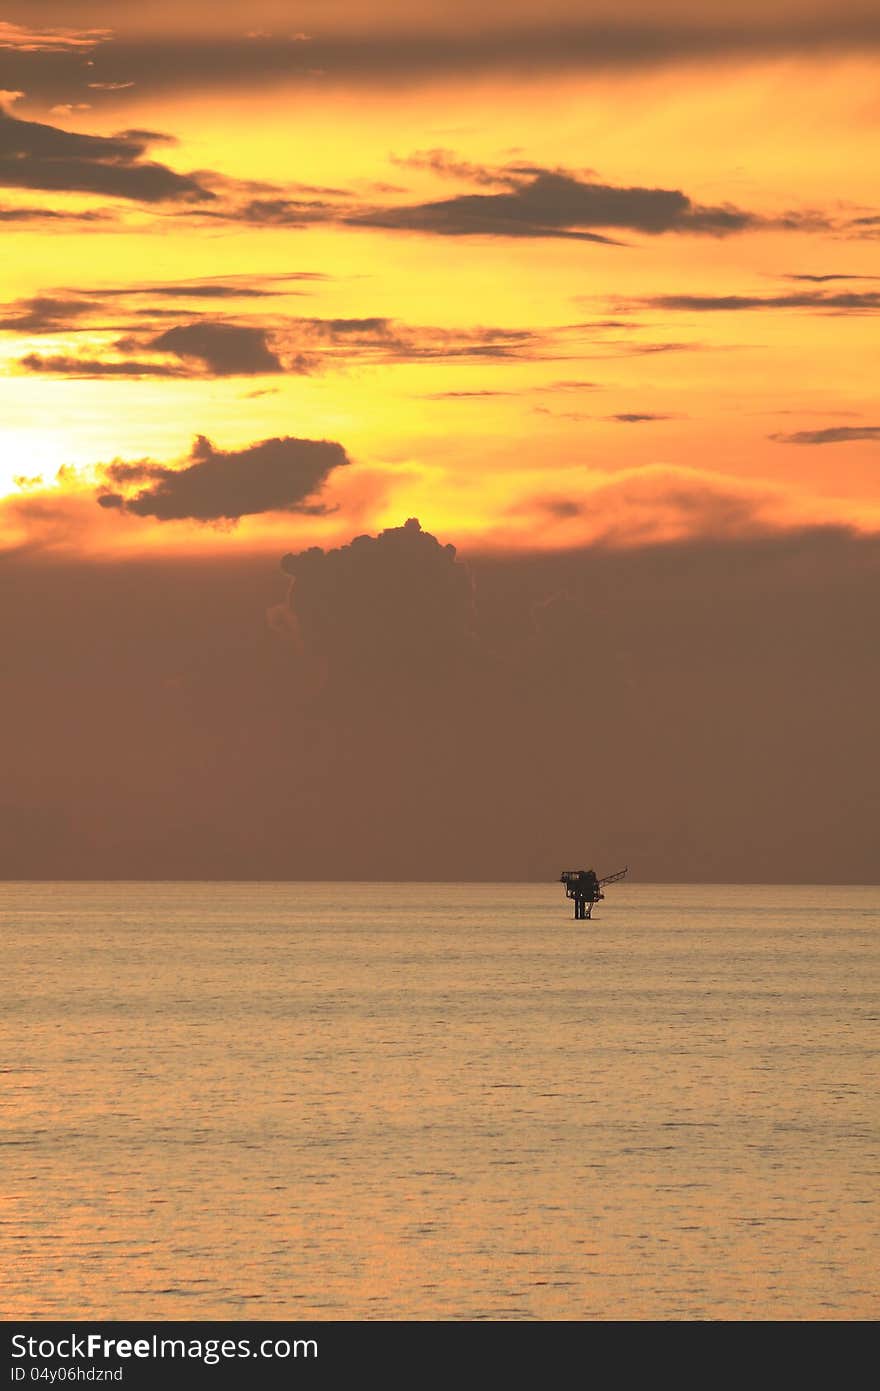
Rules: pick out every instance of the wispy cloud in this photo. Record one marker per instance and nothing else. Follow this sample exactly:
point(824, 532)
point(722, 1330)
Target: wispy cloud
point(816, 301)
point(832, 434)
point(219, 348)
point(637, 417)
point(22, 39)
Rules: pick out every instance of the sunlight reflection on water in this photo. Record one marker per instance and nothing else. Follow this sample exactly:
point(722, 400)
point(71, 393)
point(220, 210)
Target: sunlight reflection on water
point(437, 1101)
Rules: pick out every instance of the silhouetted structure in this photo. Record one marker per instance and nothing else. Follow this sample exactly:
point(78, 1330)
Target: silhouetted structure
point(585, 887)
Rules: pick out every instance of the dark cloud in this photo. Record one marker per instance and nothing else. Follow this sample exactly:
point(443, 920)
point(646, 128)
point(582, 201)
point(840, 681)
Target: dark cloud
point(563, 509)
point(542, 388)
point(383, 609)
point(865, 227)
point(65, 365)
point(65, 309)
point(569, 384)
point(147, 137)
point(203, 348)
point(296, 346)
point(52, 215)
point(275, 475)
point(686, 675)
point(629, 324)
point(415, 52)
point(530, 201)
point(141, 472)
point(578, 416)
point(384, 340)
point(636, 418)
point(629, 349)
point(34, 155)
point(43, 314)
point(220, 287)
point(839, 302)
point(448, 165)
point(463, 395)
point(554, 203)
point(223, 349)
point(834, 434)
point(285, 212)
point(474, 215)
point(364, 332)
point(194, 290)
point(822, 279)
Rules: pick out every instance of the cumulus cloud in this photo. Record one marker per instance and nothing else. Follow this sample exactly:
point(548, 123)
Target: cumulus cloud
point(639, 658)
point(392, 607)
point(274, 475)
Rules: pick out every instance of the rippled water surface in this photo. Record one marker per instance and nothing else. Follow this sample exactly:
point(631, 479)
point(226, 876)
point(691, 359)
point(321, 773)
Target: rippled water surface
point(437, 1101)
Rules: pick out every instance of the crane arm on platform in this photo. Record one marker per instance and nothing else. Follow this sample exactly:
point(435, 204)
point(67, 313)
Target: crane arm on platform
point(613, 878)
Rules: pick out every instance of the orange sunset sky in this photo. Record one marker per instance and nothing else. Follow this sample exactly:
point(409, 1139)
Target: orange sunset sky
point(568, 283)
point(548, 274)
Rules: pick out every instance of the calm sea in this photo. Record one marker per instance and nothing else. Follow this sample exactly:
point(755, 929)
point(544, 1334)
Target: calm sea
point(400, 1101)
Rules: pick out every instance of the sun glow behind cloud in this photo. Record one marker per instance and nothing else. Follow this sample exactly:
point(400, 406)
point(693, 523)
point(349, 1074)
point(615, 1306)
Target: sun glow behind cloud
point(520, 387)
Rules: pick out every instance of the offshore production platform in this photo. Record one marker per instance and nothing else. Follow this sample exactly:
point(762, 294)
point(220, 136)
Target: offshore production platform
point(585, 887)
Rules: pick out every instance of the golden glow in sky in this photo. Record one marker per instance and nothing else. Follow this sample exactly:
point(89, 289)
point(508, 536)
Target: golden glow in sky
point(536, 293)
